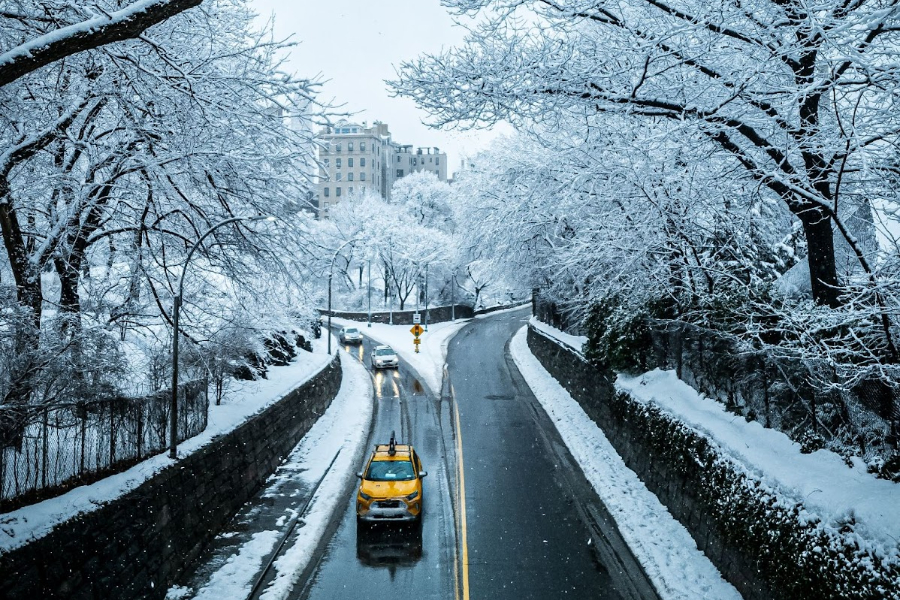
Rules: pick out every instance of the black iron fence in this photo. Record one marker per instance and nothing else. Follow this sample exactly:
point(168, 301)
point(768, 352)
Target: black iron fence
point(47, 449)
point(807, 399)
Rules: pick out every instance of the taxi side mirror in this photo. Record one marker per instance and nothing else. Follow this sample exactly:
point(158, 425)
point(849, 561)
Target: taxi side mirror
point(423, 473)
point(359, 474)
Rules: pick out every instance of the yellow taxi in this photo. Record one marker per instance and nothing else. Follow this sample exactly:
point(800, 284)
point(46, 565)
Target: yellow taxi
point(390, 487)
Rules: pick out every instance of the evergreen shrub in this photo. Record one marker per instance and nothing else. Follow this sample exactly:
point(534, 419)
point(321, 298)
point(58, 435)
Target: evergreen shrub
point(799, 556)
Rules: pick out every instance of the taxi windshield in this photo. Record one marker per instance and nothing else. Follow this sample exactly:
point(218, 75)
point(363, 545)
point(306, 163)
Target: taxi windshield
point(390, 470)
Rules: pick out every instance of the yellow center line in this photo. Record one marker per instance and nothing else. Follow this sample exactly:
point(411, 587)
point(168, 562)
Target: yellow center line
point(462, 501)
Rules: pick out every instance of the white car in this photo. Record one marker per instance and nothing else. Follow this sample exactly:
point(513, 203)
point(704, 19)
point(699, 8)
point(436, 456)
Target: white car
point(350, 335)
point(384, 357)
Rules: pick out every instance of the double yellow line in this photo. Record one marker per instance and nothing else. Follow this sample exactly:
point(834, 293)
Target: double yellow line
point(462, 506)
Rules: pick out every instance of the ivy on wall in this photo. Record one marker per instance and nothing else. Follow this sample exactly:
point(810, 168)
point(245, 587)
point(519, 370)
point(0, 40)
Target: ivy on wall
point(799, 556)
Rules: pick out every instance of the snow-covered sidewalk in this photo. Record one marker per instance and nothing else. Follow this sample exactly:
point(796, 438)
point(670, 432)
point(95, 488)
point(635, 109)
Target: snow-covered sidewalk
point(678, 569)
point(242, 400)
point(344, 427)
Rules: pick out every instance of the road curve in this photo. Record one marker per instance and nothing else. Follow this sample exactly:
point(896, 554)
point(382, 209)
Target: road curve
point(525, 532)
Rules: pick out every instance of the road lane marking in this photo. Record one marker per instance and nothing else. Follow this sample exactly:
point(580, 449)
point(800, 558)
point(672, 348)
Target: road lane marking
point(462, 500)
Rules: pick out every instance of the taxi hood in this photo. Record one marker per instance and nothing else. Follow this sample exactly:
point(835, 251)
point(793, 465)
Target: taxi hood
point(387, 489)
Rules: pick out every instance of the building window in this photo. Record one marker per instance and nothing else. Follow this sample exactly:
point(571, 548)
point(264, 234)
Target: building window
point(327, 148)
point(362, 146)
point(362, 162)
point(328, 162)
point(350, 176)
point(337, 176)
point(350, 191)
point(398, 158)
point(349, 146)
point(350, 163)
point(337, 192)
point(437, 160)
point(414, 162)
point(337, 148)
point(326, 193)
point(337, 163)
point(399, 173)
point(362, 176)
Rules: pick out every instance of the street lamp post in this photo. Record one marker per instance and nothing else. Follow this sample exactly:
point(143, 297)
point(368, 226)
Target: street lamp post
point(370, 293)
point(426, 296)
point(330, 273)
point(176, 312)
point(453, 297)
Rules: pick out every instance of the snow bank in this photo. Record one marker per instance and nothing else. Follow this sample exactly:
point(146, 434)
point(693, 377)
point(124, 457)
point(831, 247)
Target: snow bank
point(345, 427)
point(677, 568)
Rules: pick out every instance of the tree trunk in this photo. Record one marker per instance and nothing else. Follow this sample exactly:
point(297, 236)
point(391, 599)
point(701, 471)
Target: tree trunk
point(820, 245)
point(69, 273)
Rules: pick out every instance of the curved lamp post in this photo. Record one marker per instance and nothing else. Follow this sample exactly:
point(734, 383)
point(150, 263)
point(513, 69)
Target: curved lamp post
point(330, 273)
point(176, 310)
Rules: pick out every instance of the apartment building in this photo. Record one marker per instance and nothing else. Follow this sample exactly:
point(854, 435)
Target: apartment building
point(356, 157)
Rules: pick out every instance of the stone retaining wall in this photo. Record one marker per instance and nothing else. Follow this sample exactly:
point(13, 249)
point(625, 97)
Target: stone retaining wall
point(136, 546)
point(595, 392)
point(437, 314)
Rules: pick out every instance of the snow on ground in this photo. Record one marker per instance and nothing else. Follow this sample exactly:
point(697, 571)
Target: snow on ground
point(821, 480)
point(677, 568)
point(429, 362)
point(347, 429)
point(838, 494)
point(242, 400)
point(575, 342)
point(344, 427)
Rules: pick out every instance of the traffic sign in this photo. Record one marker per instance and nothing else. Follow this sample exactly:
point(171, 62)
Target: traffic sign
point(416, 330)
point(417, 318)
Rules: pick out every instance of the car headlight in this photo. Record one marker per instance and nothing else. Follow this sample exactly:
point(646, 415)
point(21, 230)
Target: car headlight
point(365, 496)
point(413, 496)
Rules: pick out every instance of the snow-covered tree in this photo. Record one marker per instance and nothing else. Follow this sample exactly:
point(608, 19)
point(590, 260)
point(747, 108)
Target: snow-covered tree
point(796, 95)
point(115, 160)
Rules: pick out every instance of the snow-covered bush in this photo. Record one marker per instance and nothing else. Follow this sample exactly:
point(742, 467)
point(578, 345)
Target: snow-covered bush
point(799, 556)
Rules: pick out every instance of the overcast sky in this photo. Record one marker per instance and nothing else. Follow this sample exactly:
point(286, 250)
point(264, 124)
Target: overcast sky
point(355, 45)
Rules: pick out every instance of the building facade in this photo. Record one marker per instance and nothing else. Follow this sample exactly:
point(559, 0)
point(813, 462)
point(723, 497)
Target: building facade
point(357, 157)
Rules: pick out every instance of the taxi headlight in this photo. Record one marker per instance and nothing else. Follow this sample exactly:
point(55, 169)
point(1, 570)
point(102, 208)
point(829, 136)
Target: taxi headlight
point(365, 496)
point(413, 496)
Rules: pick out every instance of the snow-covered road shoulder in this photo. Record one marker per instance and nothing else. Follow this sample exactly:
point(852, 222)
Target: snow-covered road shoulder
point(677, 568)
point(343, 427)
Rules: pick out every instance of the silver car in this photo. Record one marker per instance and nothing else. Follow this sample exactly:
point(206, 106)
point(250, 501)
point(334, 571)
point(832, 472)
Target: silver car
point(384, 357)
point(350, 335)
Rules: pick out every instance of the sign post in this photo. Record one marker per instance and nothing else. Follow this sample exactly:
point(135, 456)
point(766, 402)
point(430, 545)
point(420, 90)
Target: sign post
point(416, 330)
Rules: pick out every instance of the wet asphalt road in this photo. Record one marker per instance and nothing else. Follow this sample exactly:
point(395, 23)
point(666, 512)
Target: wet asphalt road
point(525, 535)
point(528, 525)
point(396, 561)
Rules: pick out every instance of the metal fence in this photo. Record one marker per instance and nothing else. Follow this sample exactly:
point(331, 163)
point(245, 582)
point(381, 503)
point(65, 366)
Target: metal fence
point(803, 398)
point(45, 450)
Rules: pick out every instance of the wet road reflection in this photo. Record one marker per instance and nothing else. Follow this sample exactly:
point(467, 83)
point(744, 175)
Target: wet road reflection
point(392, 559)
point(389, 545)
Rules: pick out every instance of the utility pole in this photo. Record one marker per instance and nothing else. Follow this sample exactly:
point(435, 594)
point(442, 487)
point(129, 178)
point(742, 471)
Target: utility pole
point(370, 293)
